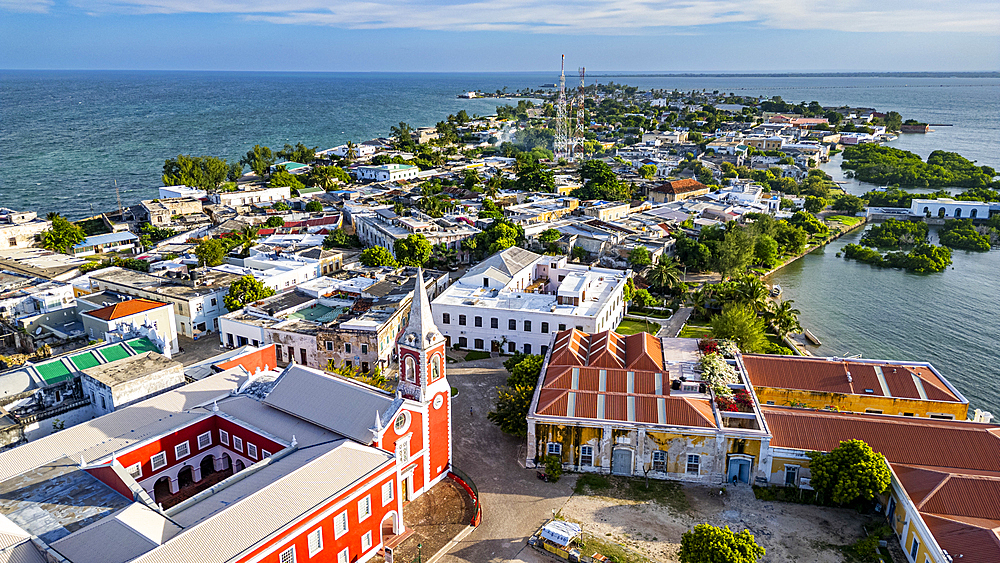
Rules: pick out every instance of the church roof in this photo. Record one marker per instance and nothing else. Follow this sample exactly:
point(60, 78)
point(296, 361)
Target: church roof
point(421, 322)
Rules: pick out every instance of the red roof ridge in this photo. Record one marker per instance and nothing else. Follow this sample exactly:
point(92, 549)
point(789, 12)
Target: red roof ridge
point(125, 309)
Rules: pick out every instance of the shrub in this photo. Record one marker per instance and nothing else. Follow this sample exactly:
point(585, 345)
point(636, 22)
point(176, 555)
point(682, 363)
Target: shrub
point(553, 468)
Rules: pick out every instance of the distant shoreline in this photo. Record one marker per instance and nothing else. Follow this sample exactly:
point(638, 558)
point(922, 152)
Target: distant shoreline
point(985, 74)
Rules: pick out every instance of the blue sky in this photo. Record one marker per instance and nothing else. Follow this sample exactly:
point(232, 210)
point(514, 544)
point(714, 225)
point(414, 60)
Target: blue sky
point(502, 35)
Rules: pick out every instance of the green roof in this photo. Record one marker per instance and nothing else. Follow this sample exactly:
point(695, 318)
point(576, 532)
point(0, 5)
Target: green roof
point(114, 353)
point(141, 345)
point(54, 371)
point(84, 361)
point(310, 190)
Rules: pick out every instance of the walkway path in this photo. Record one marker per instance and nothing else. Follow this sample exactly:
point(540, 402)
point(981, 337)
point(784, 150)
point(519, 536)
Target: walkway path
point(675, 323)
point(515, 503)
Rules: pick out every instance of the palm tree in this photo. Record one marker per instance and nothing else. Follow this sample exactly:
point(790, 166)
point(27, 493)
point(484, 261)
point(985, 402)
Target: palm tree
point(751, 291)
point(665, 275)
point(492, 187)
point(352, 152)
point(700, 299)
point(785, 319)
point(247, 238)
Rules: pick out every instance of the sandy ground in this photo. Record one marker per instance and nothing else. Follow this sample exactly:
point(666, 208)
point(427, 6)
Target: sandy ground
point(789, 532)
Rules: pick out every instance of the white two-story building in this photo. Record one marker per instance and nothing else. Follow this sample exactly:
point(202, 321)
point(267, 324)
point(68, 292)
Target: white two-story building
point(515, 300)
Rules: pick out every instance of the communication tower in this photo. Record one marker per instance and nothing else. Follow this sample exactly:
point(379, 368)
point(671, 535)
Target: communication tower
point(562, 144)
point(581, 123)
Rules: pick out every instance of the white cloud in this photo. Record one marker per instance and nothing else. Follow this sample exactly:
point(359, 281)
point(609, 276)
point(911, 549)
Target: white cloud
point(27, 6)
point(601, 17)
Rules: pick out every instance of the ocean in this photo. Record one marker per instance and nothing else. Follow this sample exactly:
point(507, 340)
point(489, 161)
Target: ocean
point(67, 137)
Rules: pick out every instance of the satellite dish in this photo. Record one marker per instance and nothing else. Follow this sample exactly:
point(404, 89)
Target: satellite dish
point(38, 331)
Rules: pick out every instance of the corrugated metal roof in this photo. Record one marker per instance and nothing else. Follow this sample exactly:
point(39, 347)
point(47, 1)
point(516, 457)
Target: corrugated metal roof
point(339, 405)
point(975, 543)
point(280, 497)
point(22, 552)
point(118, 541)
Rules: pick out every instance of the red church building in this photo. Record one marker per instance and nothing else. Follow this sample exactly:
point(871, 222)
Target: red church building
point(245, 465)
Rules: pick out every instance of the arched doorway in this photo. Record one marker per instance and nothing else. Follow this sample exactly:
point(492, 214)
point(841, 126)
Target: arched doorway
point(185, 477)
point(240, 465)
point(973, 214)
point(161, 489)
point(207, 465)
point(941, 213)
point(927, 211)
point(389, 526)
point(958, 213)
point(227, 462)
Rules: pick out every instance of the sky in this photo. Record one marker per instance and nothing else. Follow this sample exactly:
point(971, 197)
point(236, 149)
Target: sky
point(502, 35)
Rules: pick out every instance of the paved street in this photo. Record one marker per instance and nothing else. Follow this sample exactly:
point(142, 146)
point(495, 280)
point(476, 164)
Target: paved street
point(515, 503)
point(676, 321)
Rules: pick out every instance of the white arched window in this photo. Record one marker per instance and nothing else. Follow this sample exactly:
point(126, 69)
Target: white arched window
point(410, 371)
point(436, 367)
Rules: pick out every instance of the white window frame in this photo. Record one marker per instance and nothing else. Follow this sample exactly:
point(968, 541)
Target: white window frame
point(388, 492)
point(265, 454)
point(238, 444)
point(251, 451)
point(338, 530)
point(364, 508)
point(177, 450)
point(344, 556)
point(223, 437)
point(403, 449)
point(553, 448)
point(206, 436)
point(792, 469)
point(158, 465)
point(315, 537)
point(591, 454)
point(287, 556)
point(653, 460)
point(366, 541)
point(687, 466)
point(914, 547)
point(135, 470)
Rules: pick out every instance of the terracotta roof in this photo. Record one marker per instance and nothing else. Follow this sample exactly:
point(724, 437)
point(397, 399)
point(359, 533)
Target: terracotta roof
point(955, 445)
point(830, 375)
point(680, 186)
point(125, 309)
point(607, 376)
point(975, 541)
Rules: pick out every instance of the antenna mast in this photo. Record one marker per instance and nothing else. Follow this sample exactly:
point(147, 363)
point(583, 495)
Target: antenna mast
point(581, 124)
point(562, 143)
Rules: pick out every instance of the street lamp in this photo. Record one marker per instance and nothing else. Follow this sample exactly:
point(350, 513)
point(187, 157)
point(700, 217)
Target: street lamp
point(419, 553)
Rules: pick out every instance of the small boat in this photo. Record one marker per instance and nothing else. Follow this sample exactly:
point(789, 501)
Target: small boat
point(775, 290)
point(811, 337)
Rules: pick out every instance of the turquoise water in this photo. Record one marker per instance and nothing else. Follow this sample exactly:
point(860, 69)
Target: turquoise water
point(66, 137)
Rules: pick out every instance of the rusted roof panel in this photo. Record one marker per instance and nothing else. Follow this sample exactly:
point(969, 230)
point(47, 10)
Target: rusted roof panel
point(646, 411)
point(783, 372)
point(962, 495)
point(976, 544)
point(615, 407)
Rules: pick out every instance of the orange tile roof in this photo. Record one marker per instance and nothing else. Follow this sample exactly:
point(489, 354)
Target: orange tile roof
point(680, 186)
point(949, 469)
point(831, 376)
point(588, 377)
point(125, 309)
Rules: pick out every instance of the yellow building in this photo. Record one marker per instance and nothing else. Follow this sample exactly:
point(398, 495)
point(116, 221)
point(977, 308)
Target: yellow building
point(943, 500)
point(865, 386)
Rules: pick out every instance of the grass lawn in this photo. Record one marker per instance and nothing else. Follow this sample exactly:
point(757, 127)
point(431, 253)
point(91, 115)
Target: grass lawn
point(695, 331)
point(632, 327)
point(476, 355)
point(649, 313)
point(844, 220)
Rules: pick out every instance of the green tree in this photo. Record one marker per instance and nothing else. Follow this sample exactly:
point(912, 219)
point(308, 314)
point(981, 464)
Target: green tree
point(765, 251)
point(893, 121)
point(735, 252)
point(314, 207)
point(246, 290)
point(814, 204)
point(647, 171)
point(235, 171)
point(62, 235)
point(665, 275)
point(785, 319)
point(642, 299)
point(281, 206)
point(351, 152)
point(710, 544)
point(510, 411)
point(274, 222)
point(579, 253)
point(549, 236)
point(693, 254)
point(377, 256)
point(850, 472)
point(326, 177)
point(336, 239)
point(299, 153)
point(640, 256)
point(246, 238)
point(210, 252)
point(403, 134)
point(413, 250)
point(490, 210)
point(532, 176)
point(281, 178)
point(848, 203)
point(741, 324)
point(259, 159)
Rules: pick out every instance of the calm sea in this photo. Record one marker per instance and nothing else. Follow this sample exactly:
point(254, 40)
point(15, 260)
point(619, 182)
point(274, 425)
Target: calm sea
point(67, 137)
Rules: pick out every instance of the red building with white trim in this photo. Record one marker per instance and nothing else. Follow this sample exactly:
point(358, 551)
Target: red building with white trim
point(246, 465)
